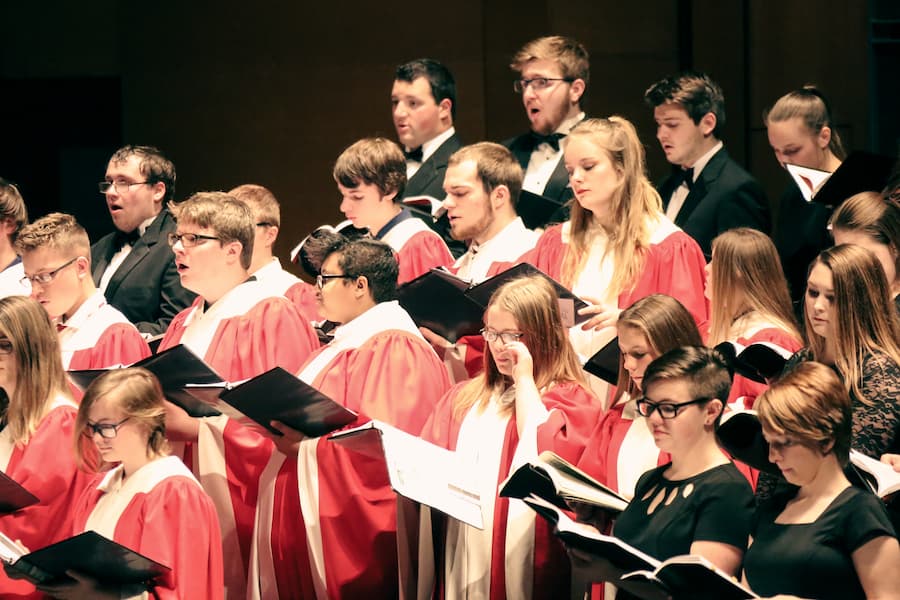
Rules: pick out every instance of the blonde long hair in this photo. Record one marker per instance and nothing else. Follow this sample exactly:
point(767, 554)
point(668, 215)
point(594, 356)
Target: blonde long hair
point(747, 276)
point(39, 372)
point(864, 318)
point(666, 324)
point(534, 304)
point(633, 202)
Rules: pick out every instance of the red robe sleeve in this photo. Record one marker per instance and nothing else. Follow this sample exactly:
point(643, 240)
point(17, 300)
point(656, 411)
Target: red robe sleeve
point(422, 252)
point(674, 267)
point(574, 412)
point(119, 344)
point(271, 334)
point(548, 253)
point(303, 296)
point(46, 468)
point(177, 326)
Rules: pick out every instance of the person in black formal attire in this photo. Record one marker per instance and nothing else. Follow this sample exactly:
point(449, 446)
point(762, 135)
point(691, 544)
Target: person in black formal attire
point(134, 266)
point(708, 193)
point(423, 105)
point(800, 132)
point(553, 76)
point(820, 537)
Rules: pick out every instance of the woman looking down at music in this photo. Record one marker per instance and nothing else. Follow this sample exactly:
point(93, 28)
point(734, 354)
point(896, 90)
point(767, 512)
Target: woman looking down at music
point(617, 245)
point(149, 501)
point(822, 538)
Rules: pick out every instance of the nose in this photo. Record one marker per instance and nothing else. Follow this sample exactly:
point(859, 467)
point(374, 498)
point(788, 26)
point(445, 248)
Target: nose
point(399, 110)
point(819, 304)
point(629, 363)
point(448, 202)
point(774, 455)
point(344, 206)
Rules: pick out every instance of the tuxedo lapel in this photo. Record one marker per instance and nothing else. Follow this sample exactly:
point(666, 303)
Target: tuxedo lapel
point(559, 181)
point(140, 250)
point(422, 179)
point(101, 257)
point(705, 181)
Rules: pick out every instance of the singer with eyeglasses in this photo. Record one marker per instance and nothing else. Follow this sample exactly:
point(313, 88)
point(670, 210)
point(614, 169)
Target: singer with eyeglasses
point(141, 496)
point(36, 431)
point(698, 503)
point(532, 396)
point(133, 266)
point(553, 78)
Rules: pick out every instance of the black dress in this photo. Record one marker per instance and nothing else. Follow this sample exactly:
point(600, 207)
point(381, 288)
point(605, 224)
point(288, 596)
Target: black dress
point(666, 517)
point(814, 560)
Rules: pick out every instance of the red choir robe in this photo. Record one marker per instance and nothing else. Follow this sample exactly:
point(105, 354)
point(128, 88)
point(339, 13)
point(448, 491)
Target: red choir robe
point(281, 282)
point(326, 520)
point(525, 559)
point(245, 333)
point(159, 511)
point(46, 467)
point(418, 248)
point(674, 266)
point(98, 336)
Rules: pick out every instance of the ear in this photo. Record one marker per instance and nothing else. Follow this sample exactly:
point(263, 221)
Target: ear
point(445, 110)
point(272, 234)
point(713, 409)
point(233, 251)
point(8, 226)
point(361, 287)
point(159, 191)
point(707, 123)
point(576, 90)
point(827, 447)
point(824, 137)
point(499, 197)
point(390, 196)
point(83, 266)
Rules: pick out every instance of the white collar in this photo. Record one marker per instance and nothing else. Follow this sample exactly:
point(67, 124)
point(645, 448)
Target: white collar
point(703, 160)
point(431, 146)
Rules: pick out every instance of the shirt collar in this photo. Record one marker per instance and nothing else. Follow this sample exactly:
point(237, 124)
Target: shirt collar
point(703, 160)
point(401, 216)
point(431, 146)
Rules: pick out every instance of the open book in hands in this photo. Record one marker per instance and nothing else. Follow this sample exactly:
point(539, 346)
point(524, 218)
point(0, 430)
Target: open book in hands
point(88, 553)
point(557, 481)
point(881, 478)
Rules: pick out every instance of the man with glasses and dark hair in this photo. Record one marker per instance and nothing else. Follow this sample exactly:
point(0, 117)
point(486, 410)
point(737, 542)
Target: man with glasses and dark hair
point(134, 266)
point(241, 328)
point(708, 193)
point(423, 106)
point(55, 253)
point(553, 76)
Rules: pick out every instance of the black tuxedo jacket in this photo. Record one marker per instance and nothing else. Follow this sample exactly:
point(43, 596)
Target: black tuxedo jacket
point(146, 286)
point(429, 181)
point(724, 196)
point(557, 187)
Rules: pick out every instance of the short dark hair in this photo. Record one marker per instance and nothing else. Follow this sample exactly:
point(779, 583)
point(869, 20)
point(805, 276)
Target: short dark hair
point(154, 166)
point(703, 369)
point(439, 78)
point(695, 91)
point(362, 257)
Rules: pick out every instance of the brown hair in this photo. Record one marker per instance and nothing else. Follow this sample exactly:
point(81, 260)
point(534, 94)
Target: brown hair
point(373, 161)
point(138, 394)
point(154, 166)
point(532, 301)
point(874, 215)
point(12, 206)
point(58, 231)
point(634, 201)
point(693, 91)
point(810, 106)
point(747, 276)
point(666, 324)
point(261, 201)
point(231, 219)
point(811, 404)
point(39, 372)
point(571, 56)
point(864, 318)
point(495, 166)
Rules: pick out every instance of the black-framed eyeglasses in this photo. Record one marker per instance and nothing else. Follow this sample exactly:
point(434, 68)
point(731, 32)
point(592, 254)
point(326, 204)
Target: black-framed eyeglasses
point(47, 277)
point(107, 431)
point(321, 280)
point(121, 186)
point(667, 410)
point(507, 337)
point(538, 83)
point(189, 240)
point(6, 346)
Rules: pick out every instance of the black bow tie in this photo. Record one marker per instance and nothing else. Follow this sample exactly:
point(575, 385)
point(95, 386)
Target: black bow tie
point(552, 140)
point(414, 154)
point(121, 238)
point(686, 176)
